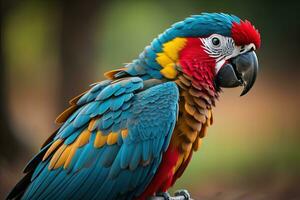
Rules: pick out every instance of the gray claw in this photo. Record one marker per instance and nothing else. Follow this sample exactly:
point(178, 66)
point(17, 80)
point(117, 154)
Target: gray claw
point(161, 196)
point(164, 195)
point(179, 195)
point(183, 193)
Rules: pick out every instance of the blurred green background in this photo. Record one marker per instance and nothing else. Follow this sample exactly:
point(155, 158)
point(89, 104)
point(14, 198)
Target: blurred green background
point(52, 50)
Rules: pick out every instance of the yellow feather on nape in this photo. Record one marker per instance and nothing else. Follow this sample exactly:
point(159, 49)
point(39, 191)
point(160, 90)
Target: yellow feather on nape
point(169, 57)
point(163, 59)
point(112, 138)
point(169, 71)
point(100, 139)
point(173, 47)
point(52, 148)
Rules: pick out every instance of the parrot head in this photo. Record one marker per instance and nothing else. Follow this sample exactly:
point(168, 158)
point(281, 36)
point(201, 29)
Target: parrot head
point(215, 49)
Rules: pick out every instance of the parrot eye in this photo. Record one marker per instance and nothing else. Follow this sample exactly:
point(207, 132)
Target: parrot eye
point(215, 41)
point(218, 46)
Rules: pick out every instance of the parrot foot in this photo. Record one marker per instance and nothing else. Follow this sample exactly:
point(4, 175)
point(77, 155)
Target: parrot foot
point(183, 193)
point(179, 195)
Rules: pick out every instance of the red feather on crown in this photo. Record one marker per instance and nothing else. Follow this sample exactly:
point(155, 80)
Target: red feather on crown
point(245, 33)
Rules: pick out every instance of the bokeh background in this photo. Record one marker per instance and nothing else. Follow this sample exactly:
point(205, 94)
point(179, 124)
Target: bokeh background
point(52, 50)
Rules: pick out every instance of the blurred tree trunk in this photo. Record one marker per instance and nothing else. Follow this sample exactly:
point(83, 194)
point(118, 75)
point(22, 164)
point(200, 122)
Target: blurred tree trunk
point(77, 47)
point(10, 146)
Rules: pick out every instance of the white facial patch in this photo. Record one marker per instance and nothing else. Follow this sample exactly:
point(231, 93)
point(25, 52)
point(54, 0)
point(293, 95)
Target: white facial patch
point(219, 65)
point(223, 48)
point(218, 46)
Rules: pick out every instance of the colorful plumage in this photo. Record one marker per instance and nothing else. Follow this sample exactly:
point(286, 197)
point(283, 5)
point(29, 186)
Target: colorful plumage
point(133, 135)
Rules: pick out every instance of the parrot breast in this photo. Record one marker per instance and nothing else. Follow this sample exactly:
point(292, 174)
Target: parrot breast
point(194, 117)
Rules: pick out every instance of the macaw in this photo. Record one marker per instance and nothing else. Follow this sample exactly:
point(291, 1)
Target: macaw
point(132, 135)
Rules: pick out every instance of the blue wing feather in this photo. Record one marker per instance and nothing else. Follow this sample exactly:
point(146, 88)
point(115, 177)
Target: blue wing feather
point(136, 157)
point(73, 136)
point(112, 171)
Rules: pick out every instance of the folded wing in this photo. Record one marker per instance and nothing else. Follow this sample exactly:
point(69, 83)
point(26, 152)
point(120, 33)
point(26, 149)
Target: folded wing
point(110, 144)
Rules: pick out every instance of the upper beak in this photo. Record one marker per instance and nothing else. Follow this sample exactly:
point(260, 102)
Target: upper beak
point(240, 71)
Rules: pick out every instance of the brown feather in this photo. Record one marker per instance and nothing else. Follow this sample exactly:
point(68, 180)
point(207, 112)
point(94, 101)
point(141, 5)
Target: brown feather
point(187, 77)
point(74, 100)
point(200, 117)
point(189, 109)
point(195, 125)
point(111, 74)
point(194, 92)
point(197, 144)
point(181, 85)
point(189, 137)
point(189, 99)
point(186, 147)
point(184, 81)
point(200, 102)
point(65, 115)
point(196, 86)
point(203, 111)
point(203, 131)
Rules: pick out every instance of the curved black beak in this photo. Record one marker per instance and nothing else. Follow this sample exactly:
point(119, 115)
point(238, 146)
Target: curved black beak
point(240, 71)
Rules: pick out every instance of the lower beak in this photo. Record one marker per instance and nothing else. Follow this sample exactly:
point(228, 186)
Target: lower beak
point(240, 71)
